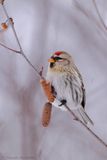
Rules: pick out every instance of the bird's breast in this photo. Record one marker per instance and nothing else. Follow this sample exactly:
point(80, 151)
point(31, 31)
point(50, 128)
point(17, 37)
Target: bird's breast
point(65, 87)
point(60, 84)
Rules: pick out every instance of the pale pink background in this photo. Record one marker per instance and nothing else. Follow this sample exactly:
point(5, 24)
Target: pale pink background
point(44, 26)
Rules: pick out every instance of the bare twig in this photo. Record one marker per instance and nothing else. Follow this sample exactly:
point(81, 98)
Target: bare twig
point(84, 125)
point(25, 57)
point(20, 47)
point(41, 72)
point(99, 15)
point(13, 50)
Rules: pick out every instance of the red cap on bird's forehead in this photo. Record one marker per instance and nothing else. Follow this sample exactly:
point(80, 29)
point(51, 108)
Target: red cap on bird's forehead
point(58, 53)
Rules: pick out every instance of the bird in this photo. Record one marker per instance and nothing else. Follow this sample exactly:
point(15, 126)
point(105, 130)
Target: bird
point(67, 84)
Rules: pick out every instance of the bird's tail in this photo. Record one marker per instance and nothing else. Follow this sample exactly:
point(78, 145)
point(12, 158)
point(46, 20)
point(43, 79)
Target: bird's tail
point(84, 116)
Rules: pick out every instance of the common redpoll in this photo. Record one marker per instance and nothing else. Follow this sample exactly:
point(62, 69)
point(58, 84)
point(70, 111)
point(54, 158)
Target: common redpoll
point(67, 84)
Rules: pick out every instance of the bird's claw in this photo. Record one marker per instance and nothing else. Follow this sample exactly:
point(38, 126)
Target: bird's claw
point(63, 102)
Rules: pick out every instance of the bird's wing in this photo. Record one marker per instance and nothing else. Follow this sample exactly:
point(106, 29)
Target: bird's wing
point(84, 96)
point(53, 90)
point(82, 88)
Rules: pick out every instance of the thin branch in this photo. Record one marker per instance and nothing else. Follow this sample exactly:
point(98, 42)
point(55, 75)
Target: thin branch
point(99, 15)
point(17, 39)
point(85, 126)
point(41, 72)
point(13, 50)
point(25, 57)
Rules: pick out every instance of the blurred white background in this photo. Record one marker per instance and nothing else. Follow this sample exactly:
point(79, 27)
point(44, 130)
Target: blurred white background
point(43, 27)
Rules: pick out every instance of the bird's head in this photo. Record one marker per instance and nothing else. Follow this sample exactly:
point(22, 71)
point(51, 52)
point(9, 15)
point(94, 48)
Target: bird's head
point(59, 61)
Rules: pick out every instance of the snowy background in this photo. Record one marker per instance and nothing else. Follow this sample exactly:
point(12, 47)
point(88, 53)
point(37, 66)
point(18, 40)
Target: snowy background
point(43, 27)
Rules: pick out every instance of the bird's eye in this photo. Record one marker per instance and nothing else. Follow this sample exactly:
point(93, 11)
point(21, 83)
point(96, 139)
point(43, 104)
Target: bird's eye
point(58, 58)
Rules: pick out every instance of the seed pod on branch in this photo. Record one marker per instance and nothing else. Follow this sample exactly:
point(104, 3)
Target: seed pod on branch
point(46, 115)
point(47, 89)
point(4, 26)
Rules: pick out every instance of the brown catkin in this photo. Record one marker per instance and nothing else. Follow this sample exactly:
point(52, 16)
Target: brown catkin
point(46, 115)
point(47, 89)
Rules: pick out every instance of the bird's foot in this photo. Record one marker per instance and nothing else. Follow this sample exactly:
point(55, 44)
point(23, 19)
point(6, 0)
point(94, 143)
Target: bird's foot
point(63, 102)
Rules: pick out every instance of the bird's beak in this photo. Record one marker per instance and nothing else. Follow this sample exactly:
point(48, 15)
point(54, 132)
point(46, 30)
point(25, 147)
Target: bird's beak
point(51, 60)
